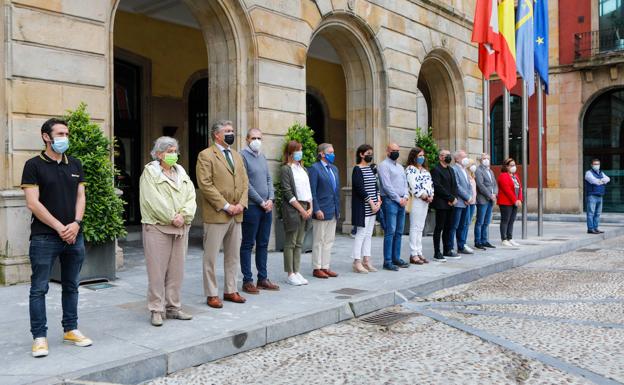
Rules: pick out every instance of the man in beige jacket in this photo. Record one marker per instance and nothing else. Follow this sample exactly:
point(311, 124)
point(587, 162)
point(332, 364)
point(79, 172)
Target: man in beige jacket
point(222, 181)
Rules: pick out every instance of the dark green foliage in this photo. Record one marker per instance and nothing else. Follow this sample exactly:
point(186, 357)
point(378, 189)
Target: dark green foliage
point(103, 220)
point(425, 141)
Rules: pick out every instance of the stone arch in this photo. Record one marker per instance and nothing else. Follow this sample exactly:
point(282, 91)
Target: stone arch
point(364, 69)
point(440, 81)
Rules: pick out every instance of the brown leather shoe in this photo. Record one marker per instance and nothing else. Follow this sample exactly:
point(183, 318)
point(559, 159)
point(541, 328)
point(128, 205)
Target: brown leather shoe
point(330, 273)
point(250, 288)
point(267, 285)
point(415, 260)
point(318, 273)
point(214, 302)
point(234, 297)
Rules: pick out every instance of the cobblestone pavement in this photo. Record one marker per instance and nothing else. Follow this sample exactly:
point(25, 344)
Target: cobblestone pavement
point(555, 321)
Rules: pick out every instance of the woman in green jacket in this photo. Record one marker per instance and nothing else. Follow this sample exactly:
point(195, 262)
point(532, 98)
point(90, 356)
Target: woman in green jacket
point(167, 197)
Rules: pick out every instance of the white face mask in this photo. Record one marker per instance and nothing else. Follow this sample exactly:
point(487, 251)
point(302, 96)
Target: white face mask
point(512, 169)
point(473, 168)
point(596, 167)
point(465, 162)
point(255, 145)
point(485, 162)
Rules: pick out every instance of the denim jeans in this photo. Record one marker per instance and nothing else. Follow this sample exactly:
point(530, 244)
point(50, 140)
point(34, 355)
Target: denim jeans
point(394, 216)
point(470, 212)
point(458, 223)
point(44, 249)
point(256, 229)
point(594, 209)
point(484, 217)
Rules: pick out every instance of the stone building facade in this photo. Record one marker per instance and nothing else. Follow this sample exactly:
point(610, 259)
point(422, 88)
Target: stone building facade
point(373, 69)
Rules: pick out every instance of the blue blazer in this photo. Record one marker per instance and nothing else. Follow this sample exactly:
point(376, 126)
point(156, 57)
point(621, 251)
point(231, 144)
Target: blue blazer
point(464, 189)
point(323, 198)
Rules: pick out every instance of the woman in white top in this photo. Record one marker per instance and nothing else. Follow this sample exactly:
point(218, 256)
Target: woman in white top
point(296, 209)
point(421, 192)
point(471, 207)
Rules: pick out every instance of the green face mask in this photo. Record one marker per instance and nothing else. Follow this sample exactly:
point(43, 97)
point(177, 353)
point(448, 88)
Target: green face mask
point(171, 159)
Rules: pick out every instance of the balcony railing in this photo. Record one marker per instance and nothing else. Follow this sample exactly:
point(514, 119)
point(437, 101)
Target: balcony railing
point(588, 45)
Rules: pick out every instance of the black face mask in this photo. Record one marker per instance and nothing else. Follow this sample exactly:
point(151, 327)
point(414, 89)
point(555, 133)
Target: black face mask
point(394, 155)
point(229, 139)
point(447, 159)
point(368, 158)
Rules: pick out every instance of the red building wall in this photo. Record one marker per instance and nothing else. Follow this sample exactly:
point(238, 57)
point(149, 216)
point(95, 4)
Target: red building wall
point(574, 17)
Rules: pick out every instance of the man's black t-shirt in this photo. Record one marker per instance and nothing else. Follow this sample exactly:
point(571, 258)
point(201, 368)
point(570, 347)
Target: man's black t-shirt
point(58, 188)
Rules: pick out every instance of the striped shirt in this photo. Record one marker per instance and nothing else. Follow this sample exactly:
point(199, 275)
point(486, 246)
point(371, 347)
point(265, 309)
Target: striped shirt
point(370, 185)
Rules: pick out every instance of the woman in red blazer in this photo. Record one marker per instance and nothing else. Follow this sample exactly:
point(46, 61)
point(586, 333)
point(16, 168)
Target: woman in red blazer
point(509, 200)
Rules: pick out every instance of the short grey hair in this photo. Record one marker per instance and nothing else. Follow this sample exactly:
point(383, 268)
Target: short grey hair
point(483, 155)
point(252, 130)
point(458, 153)
point(322, 148)
point(218, 126)
point(162, 144)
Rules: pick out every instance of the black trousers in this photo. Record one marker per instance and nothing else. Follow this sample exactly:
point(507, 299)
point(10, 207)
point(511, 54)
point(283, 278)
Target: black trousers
point(443, 223)
point(508, 217)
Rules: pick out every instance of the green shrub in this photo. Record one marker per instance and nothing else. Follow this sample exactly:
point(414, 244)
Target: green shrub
point(102, 220)
point(424, 140)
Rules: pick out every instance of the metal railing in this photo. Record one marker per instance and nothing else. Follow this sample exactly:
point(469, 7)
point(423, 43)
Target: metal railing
point(588, 45)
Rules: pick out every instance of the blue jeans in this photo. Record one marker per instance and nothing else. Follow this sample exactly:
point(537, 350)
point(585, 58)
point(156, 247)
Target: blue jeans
point(470, 212)
point(394, 216)
point(484, 217)
point(594, 209)
point(43, 252)
point(458, 224)
point(256, 228)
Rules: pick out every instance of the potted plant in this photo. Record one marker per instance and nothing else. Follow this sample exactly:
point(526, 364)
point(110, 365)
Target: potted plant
point(304, 135)
point(102, 223)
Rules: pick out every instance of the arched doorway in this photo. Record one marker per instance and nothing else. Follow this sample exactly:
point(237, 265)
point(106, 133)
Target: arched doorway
point(515, 130)
point(441, 88)
point(603, 138)
point(198, 123)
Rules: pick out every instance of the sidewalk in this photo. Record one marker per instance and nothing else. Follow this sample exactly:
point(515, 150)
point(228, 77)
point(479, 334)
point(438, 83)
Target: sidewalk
point(127, 349)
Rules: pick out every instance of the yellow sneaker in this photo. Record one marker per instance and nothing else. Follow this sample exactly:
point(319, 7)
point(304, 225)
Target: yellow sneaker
point(74, 337)
point(40, 347)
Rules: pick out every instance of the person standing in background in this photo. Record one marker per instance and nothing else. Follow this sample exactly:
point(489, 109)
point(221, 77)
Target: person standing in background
point(595, 189)
point(487, 189)
point(445, 197)
point(509, 200)
point(421, 189)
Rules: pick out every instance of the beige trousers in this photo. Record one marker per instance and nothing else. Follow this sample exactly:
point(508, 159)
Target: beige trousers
point(229, 235)
point(323, 241)
point(165, 248)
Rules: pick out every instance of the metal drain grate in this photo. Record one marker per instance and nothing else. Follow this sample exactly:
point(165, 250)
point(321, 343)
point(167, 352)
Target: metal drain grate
point(98, 286)
point(588, 250)
point(386, 318)
point(349, 291)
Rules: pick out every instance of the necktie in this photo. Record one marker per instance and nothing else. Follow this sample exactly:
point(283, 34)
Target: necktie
point(331, 176)
point(229, 159)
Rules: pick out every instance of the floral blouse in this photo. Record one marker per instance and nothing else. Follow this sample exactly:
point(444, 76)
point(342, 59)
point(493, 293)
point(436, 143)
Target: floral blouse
point(419, 181)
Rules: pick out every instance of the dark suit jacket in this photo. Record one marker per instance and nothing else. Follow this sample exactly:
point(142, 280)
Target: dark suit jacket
point(324, 196)
point(444, 186)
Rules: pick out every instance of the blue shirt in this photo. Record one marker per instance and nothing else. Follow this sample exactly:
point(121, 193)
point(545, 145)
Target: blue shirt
point(393, 180)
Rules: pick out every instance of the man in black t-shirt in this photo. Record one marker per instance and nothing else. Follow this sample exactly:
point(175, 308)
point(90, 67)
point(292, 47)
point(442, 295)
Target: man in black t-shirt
point(53, 184)
point(445, 188)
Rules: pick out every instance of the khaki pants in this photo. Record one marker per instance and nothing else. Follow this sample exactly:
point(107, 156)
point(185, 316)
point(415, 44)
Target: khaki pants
point(292, 248)
point(215, 234)
point(324, 236)
point(164, 258)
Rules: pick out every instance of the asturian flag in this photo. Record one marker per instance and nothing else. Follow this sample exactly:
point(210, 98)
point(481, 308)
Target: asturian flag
point(541, 40)
point(524, 43)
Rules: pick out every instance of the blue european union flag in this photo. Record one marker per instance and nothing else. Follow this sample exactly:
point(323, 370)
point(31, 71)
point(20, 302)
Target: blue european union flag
point(541, 40)
point(524, 43)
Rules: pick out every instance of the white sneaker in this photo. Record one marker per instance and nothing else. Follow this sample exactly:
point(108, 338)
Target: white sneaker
point(301, 279)
point(507, 243)
point(514, 243)
point(468, 248)
point(40, 347)
point(293, 280)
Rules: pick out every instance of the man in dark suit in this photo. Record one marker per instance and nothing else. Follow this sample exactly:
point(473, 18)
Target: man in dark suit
point(444, 199)
point(325, 185)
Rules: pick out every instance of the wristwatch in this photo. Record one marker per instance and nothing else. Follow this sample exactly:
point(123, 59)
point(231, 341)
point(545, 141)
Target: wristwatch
point(79, 222)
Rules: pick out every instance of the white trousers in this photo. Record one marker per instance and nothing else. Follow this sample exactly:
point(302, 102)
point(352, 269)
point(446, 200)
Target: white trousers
point(363, 238)
point(323, 240)
point(417, 217)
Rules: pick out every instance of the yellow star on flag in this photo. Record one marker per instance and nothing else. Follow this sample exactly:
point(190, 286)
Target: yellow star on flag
point(540, 40)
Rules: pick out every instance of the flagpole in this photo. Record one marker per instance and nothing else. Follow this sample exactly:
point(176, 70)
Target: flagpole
point(486, 115)
point(506, 123)
point(540, 133)
point(525, 160)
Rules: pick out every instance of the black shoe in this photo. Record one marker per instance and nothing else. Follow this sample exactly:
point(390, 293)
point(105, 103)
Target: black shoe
point(464, 251)
point(439, 258)
point(593, 232)
point(600, 231)
point(401, 263)
point(452, 255)
point(479, 246)
point(488, 244)
point(390, 267)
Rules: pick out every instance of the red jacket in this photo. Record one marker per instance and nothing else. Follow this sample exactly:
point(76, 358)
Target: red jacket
point(506, 190)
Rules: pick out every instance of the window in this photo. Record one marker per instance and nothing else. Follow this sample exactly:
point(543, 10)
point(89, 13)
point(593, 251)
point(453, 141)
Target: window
point(515, 131)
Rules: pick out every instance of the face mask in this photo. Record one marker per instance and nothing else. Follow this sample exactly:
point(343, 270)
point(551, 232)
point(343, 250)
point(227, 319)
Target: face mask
point(330, 158)
point(255, 145)
point(229, 139)
point(465, 162)
point(60, 145)
point(447, 159)
point(473, 168)
point(485, 162)
point(512, 169)
point(368, 158)
point(394, 155)
point(170, 158)
point(596, 167)
point(298, 155)
point(420, 160)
